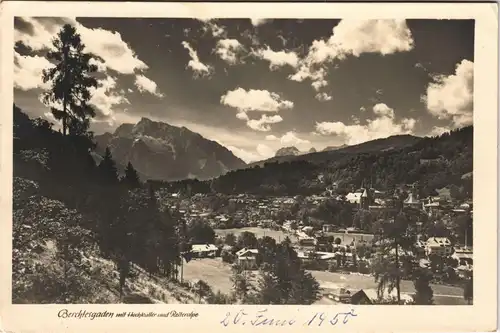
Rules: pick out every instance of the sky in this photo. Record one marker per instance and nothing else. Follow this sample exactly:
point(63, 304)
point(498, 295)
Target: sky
point(255, 86)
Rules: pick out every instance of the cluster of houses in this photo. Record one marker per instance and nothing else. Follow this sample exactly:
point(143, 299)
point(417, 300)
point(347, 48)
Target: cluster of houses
point(441, 246)
point(374, 200)
point(251, 211)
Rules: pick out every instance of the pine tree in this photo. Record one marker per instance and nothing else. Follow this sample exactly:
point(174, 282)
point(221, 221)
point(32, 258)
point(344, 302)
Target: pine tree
point(268, 288)
point(305, 288)
point(71, 80)
point(241, 284)
point(393, 234)
point(107, 168)
point(131, 176)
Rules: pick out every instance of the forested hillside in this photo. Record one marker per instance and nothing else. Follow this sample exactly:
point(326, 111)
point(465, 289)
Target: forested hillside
point(433, 162)
point(81, 234)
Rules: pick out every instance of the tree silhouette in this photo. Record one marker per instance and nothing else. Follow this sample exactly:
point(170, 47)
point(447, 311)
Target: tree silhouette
point(107, 168)
point(71, 82)
point(131, 176)
point(394, 235)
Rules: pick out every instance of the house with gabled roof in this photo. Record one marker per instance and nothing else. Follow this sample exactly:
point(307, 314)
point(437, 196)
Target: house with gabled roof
point(204, 250)
point(247, 258)
point(439, 245)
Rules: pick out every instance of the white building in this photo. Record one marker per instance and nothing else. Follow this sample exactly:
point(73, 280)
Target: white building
point(354, 197)
point(463, 256)
point(247, 258)
point(439, 245)
point(204, 250)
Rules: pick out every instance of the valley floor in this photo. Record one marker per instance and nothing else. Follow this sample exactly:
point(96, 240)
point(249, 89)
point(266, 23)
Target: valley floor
point(218, 275)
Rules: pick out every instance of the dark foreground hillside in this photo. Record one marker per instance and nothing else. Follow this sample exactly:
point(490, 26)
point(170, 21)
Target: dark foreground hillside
point(67, 245)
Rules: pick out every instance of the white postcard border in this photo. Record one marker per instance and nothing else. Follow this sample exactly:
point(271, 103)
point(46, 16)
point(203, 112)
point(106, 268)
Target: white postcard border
point(478, 317)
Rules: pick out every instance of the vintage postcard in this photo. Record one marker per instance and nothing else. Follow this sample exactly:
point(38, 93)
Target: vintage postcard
point(236, 166)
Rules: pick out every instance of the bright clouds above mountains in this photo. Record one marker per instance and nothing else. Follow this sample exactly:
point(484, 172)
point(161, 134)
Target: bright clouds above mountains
point(451, 97)
point(383, 125)
point(256, 85)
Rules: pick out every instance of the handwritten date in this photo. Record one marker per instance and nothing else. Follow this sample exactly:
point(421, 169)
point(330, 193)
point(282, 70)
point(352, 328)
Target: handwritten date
point(262, 318)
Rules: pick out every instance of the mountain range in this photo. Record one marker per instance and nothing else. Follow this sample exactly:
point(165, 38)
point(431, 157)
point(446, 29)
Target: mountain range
point(161, 151)
point(433, 163)
point(289, 154)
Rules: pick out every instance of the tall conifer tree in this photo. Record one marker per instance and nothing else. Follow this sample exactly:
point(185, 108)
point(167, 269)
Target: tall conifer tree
point(71, 82)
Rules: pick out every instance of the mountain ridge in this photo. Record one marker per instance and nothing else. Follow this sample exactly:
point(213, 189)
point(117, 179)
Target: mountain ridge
point(430, 162)
point(161, 151)
point(388, 143)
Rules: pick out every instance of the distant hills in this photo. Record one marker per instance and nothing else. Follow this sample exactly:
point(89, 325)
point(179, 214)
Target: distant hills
point(161, 151)
point(289, 154)
point(431, 162)
point(335, 147)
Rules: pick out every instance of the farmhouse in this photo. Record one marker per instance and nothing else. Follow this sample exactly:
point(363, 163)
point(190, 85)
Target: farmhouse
point(247, 258)
point(204, 250)
point(439, 245)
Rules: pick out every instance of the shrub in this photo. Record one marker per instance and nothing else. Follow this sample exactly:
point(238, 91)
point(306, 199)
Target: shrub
point(228, 257)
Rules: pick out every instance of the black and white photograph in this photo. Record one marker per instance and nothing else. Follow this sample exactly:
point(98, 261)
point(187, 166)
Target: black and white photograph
point(243, 161)
point(190, 166)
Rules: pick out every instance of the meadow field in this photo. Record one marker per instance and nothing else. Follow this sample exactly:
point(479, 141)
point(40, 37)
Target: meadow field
point(218, 275)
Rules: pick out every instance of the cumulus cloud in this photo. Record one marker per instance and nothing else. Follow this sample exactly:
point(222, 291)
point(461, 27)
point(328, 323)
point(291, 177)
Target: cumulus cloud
point(265, 151)
point(262, 124)
point(106, 99)
point(355, 37)
point(271, 137)
point(317, 76)
point(382, 126)
point(229, 50)
point(145, 84)
point(255, 100)
point(291, 139)
point(199, 68)
point(438, 130)
point(242, 115)
point(39, 36)
point(317, 85)
point(278, 59)
point(111, 54)
point(362, 109)
point(244, 154)
point(383, 110)
point(323, 97)
point(261, 152)
point(28, 72)
point(108, 46)
point(451, 97)
point(352, 37)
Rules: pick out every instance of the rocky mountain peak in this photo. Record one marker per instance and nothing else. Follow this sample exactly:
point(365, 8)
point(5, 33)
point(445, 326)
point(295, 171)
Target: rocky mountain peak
point(288, 151)
point(162, 151)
